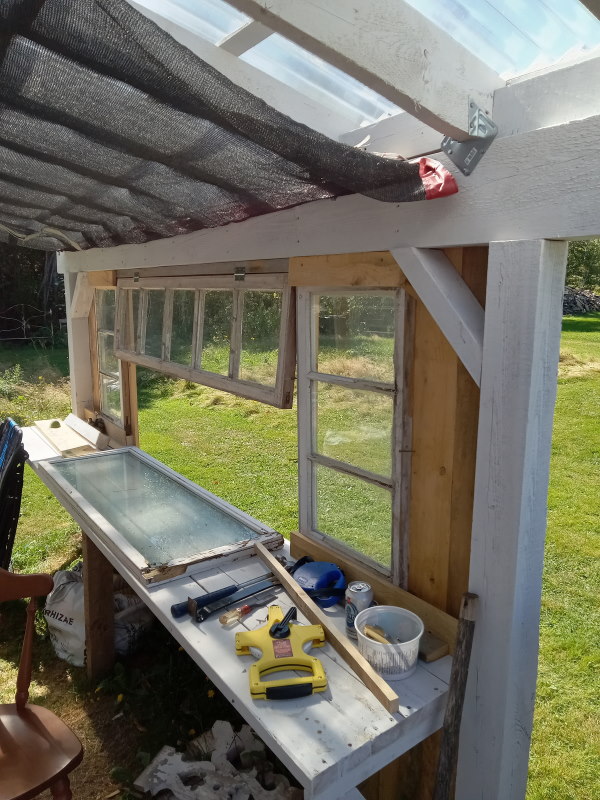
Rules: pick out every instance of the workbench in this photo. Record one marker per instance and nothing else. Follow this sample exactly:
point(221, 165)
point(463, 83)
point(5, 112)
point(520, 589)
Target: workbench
point(331, 741)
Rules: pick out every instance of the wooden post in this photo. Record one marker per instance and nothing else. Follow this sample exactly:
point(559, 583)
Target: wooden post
point(99, 611)
point(80, 365)
point(518, 390)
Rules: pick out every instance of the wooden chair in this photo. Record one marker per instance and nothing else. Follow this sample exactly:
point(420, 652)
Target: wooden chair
point(37, 750)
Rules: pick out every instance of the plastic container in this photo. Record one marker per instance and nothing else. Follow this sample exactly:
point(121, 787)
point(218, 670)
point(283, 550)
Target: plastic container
point(396, 660)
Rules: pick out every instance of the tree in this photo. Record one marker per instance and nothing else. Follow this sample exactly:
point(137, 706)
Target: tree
point(583, 265)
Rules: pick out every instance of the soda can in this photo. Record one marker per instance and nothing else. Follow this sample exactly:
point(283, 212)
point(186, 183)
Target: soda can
point(359, 596)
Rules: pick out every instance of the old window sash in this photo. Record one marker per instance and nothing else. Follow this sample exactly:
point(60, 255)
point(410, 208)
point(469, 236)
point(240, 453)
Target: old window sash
point(377, 486)
point(109, 383)
point(152, 339)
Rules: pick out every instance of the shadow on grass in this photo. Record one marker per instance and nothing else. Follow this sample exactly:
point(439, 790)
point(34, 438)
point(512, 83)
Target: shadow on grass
point(51, 362)
point(586, 323)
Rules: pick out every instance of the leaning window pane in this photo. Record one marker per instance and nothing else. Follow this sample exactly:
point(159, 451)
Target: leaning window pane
point(218, 315)
point(356, 335)
point(182, 331)
point(105, 309)
point(355, 427)
point(110, 396)
point(154, 322)
point(261, 321)
point(355, 512)
point(107, 361)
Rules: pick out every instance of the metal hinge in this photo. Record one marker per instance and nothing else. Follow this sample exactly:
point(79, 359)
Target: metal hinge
point(239, 273)
point(466, 155)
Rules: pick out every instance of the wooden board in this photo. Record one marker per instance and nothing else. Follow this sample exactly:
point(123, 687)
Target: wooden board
point(103, 279)
point(339, 641)
point(377, 269)
point(92, 435)
point(64, 439)
point(99, 611)
point(442, 625)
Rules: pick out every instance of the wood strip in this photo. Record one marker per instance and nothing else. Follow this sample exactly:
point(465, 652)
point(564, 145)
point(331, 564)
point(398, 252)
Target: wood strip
point(63, 438)
point(374, 682)
point(436, 621)
point(99, 612)
point(373, 270)
point(82, 297)
point(446, 771)
point(103, 279)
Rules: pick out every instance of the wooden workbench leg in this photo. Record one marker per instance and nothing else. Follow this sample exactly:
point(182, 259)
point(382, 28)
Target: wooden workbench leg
point(99, 612)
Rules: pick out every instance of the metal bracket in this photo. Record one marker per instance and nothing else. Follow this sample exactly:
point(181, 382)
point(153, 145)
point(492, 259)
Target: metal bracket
point(239, 274)
point(136, 277)
point(466, 155)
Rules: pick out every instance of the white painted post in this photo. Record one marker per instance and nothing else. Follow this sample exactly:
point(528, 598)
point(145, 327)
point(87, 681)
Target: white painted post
point(80, 366)
point(518, 391)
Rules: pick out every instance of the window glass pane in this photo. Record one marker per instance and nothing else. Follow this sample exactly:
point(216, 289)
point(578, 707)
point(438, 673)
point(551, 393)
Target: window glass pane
point(355, 512)
point(154, 322)
point(261, 321)
point(356, 335)
point(182, 330)
point(105, 309)
point(107, 361)
point(356, 427)
point(110, 396)
point(218, 315)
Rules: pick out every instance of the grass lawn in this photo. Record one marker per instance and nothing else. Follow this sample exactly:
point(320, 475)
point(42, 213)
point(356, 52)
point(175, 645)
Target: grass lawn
point(246, 453)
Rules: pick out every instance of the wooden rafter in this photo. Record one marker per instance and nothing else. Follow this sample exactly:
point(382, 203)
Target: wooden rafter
point(552, 97)
point(392, 49)
point(245, 37)
point(294, 104)
point(511, 195)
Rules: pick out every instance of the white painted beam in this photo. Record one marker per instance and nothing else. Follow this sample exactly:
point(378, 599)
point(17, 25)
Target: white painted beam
point(518, 390)
point(281, 97)
point(80, 364)
point(541, 184)
point(245, 38)
point(541, 100)
point(449, 300)
point(391, 48)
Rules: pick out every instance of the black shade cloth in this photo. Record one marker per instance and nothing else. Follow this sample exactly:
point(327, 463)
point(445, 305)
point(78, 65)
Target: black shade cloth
point(12, 464)
point(112, 132)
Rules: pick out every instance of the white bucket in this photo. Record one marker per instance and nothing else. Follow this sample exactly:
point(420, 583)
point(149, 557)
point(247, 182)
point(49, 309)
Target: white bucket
point(392, 661)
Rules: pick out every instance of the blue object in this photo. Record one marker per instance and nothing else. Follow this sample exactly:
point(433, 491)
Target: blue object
point(323, 581)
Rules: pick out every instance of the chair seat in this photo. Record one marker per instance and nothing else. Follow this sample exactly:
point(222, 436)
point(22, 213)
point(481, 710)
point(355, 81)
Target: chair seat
point(36, 747)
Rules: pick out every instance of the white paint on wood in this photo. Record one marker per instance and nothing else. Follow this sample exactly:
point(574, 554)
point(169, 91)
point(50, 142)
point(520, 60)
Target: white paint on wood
point(36, 447)
point(284, 98)
point(449, 300)
point(391, 48)
point(80, 359)
point(244, 38)
point(540, 184)
point(95, 437)
point(331, 741)
point(518, 389)
point(401, 134)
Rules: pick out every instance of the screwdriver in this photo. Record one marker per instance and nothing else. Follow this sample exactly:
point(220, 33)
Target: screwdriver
point(235, 614)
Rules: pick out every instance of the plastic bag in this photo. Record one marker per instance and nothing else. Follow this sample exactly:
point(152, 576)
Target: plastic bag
point(64, 612)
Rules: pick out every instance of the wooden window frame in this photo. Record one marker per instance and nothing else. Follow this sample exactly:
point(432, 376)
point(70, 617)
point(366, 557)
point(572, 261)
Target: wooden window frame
point(280, 395)
point(95, 332)
point(308, 458)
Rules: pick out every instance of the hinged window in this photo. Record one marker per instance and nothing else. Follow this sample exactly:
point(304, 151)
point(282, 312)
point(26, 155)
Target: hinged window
point(109, 374)
point(352, 442)
point(231, 332)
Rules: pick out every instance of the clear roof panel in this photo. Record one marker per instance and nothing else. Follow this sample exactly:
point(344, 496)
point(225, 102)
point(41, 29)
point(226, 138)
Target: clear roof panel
point(512, 36)
point(516, 36)
point(211, 19)
point(315, 78)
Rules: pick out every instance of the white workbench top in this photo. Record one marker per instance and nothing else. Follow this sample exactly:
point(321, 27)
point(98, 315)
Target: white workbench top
point(330, 741)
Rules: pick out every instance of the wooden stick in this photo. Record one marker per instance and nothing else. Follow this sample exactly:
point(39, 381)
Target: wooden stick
point(456, 694)
point(374, 682)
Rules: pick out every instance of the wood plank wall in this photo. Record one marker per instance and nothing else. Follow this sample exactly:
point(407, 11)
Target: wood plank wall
point(446, 411)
